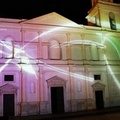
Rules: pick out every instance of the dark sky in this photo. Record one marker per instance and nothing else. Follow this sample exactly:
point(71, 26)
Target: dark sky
point(75, 10)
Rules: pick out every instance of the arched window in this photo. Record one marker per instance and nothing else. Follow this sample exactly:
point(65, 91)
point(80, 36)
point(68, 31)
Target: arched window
point(112, 21)
point(8, 50)
point(54, 49)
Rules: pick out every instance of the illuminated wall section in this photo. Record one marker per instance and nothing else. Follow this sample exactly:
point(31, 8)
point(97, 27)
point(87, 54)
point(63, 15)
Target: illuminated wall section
point(113, 70)
point(112, 48)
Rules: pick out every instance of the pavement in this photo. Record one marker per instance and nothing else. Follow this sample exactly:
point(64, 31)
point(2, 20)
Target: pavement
point(65, 115)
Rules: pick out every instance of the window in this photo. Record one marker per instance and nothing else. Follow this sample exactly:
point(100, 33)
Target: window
point(8, 47)
point(54, 50)
point(8, 77)
point(112, 21)
point(97, 77)
point(116, 1)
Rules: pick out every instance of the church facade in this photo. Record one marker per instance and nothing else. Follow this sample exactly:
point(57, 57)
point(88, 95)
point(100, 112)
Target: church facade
point(51, 64)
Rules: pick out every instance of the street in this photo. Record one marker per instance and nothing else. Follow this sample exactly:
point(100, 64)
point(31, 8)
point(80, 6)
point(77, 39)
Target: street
point(109, 116)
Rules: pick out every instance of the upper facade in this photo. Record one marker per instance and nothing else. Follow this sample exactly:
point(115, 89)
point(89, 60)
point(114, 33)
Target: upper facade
point(105, 13)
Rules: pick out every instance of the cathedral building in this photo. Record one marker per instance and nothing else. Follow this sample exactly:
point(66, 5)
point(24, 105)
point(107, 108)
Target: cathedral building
point(50, 64)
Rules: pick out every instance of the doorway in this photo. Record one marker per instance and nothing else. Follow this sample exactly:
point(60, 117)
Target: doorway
point(8, 105)
point(99, 99)
point(57, 100)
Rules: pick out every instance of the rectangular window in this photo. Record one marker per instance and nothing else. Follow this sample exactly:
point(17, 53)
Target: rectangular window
point(116, 1)
point(97, 77)
point(8, 77)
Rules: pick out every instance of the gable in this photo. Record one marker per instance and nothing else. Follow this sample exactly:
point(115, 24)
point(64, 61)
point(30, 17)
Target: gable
point(8, 88)
point(52, 19)
point(98, 86)
point(56, 81)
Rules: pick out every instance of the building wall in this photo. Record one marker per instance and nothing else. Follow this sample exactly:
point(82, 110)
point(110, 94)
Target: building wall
point(67, 58)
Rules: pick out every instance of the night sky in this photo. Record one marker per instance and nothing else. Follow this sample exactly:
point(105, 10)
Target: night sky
point(75, 10)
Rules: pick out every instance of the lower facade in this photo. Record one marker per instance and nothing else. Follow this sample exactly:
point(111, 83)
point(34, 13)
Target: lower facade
point(56, 92)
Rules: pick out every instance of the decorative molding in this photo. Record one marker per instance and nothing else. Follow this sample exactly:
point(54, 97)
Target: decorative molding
point(8, 88)
point(98, 86)
point(56, 81)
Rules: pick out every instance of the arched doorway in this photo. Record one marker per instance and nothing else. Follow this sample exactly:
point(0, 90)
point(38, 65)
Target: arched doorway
point(99, 99)
point(8, 95)
point(57, 94)
point(57, 99)
point(99, 90)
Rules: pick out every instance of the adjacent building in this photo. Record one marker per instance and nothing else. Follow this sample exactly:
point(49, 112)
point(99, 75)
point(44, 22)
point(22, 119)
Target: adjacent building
point(51, 64)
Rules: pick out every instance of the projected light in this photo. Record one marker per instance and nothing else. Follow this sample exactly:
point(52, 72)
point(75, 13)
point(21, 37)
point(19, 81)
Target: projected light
point(5, 65)
point(55, 29)
point(27, 66)
point(86, 42)
point(59, 70)
point(111, 72)
point(115, 43)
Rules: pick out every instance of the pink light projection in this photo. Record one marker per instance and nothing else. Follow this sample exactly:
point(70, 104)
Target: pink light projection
point(28, 67)
point(5, 65)
point(26, 60)
point(25, 65)
point(74, 59)
point(68, 73)
point(55, 29)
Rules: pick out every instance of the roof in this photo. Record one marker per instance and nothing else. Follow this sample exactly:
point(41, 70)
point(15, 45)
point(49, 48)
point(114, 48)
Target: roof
point(52, 18)
point(11, 20)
